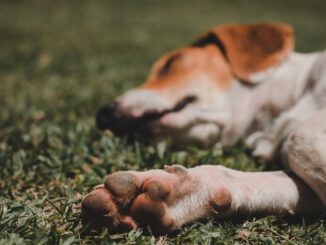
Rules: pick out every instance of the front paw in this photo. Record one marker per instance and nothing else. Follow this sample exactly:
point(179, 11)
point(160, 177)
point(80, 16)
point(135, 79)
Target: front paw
point(162, 200)
point(262, 145)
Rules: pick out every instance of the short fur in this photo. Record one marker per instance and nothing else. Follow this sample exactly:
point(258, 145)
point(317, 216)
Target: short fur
point(249, 84)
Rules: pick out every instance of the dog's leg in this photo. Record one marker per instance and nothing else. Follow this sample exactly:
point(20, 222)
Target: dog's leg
point(307, 153)
point(165, 200)
point(265, 143)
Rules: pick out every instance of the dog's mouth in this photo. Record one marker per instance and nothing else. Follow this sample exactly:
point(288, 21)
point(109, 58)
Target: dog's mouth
point(156, 115)
point(146, 123)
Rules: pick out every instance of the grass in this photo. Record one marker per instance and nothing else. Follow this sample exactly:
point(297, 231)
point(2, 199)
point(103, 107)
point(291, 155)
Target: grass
point(61, 60)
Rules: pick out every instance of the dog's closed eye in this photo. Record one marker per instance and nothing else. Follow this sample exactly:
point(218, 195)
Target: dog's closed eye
point(168, 64)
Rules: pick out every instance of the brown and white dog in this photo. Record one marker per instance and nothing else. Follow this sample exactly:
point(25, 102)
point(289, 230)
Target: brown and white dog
point(235, 81)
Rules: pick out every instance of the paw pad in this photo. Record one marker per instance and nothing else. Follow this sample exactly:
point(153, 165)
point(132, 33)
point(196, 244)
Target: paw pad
point(98, 208)
point(157, 190)
point(128, 200)
point(122, 186)
point(222, 200)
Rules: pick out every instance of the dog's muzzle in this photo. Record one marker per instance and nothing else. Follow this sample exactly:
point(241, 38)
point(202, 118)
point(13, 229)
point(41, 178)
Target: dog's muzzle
point(109, 117)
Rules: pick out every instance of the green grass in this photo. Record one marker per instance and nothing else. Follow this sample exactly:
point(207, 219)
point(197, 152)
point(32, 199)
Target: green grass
point(61, 60)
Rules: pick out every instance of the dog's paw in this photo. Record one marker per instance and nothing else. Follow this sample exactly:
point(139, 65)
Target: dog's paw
point(163, 200)
point(262, 145)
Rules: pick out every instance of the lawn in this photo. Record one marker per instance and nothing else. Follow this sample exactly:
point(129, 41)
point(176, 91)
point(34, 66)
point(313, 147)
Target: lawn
point(60, 60)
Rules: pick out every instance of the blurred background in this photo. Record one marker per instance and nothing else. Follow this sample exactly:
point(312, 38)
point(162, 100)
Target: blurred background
point(60, 60)
point(108, 46)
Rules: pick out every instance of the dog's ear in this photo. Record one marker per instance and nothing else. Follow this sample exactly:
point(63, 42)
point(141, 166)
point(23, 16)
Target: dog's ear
point(251, 49)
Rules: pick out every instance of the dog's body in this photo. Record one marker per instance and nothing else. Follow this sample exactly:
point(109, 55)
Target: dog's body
point(234, 82)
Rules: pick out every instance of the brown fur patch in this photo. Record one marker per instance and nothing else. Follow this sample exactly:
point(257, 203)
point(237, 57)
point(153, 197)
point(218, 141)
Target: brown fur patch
point(251, 48)
point(179, 65)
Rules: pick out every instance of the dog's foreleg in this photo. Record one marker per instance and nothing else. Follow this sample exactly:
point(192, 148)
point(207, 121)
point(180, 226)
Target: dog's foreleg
point(266, 143)
point(165, 200)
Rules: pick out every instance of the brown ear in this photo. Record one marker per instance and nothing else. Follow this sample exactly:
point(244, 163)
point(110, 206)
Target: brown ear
point(250, 49)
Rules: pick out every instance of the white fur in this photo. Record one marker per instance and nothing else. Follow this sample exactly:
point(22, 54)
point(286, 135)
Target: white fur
point(283, 99)
point(294, 92)
point(189, 208)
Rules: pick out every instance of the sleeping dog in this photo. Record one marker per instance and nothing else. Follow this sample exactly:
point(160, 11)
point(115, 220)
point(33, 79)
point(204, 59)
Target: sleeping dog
point(234, 82)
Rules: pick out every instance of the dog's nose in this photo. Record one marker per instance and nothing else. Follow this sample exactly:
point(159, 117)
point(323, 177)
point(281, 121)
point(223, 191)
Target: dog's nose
point(106, 117)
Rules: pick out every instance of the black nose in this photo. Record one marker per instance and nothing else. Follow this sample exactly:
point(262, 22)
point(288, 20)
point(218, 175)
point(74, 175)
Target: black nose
point(106, 117)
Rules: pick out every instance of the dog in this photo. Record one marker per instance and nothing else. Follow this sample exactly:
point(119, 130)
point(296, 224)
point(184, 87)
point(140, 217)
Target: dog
point(234, 82)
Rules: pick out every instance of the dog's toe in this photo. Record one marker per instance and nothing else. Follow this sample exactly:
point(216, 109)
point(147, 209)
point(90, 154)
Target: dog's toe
point(122, 185)
point(99, 209)
point(163, 200)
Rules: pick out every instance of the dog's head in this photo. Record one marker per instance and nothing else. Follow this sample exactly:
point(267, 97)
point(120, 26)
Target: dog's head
point(187, 94)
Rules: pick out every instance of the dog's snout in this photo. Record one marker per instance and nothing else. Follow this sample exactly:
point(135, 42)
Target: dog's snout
point(106, 116)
